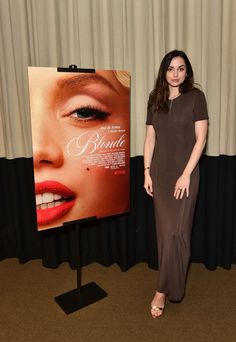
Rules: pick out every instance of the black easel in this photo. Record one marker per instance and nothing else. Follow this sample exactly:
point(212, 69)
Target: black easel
point(87, 294)
point(73, 68)
point(84, 295)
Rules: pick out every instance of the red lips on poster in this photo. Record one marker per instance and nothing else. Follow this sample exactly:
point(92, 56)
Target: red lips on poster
point(81, 141)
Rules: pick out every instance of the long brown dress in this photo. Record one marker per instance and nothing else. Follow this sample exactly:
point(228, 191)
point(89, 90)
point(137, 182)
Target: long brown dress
point(175, 138)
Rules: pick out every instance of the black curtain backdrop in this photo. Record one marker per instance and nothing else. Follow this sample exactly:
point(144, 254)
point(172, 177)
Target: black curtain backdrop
point(127, 239)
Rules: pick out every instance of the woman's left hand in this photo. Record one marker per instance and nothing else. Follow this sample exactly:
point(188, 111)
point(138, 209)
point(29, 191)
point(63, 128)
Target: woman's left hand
point(182, 186)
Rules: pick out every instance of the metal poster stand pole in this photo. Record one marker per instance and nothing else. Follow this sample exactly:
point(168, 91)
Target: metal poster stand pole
point(84, 295)
point(87, 294)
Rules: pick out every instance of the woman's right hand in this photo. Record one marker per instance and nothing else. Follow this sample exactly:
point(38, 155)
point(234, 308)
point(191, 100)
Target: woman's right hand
point(148, 184)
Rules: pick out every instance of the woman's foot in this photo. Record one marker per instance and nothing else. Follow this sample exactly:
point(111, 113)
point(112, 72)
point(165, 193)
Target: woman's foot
point(158, 304)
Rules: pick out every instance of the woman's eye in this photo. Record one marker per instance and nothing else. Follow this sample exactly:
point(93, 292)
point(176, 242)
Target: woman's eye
point(87, 113)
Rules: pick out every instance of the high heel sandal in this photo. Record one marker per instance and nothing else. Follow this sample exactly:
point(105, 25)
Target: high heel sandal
point(157, 310)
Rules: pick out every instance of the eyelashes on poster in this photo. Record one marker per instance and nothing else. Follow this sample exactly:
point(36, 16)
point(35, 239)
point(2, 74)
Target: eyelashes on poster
point(81, 144)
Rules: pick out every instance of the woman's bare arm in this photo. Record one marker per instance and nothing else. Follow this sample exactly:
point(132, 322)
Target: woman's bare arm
point(148, 154)
point(182, 184)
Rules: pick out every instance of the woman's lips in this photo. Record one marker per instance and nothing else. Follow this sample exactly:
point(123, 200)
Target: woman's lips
point(53, 200)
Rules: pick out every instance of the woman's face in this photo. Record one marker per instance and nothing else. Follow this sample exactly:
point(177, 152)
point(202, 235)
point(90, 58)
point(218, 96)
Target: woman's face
point(80, 131)
point(176, 72)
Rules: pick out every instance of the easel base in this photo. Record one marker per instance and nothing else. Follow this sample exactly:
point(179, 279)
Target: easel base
point(75, 300)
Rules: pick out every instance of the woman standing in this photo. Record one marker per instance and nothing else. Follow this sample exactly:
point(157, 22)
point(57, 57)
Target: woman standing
point(175, 138)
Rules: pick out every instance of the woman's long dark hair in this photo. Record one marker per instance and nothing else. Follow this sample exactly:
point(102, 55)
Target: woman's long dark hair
point(160, 94)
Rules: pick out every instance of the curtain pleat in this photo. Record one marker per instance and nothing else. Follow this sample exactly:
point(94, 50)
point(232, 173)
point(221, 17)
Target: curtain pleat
point(126, 239)
point(118, 34)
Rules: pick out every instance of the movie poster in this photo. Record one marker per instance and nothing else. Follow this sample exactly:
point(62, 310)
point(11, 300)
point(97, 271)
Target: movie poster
point(81, 144)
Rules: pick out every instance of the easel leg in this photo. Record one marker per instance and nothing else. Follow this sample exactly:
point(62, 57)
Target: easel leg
point(82, 295)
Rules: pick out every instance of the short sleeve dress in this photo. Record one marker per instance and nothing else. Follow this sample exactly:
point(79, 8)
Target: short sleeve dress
point(175, 138)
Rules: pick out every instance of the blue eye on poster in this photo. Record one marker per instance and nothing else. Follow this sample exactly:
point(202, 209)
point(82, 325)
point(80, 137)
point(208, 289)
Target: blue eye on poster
point(81, 144)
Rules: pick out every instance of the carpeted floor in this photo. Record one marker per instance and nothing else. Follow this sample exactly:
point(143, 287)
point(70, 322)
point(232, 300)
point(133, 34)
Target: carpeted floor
point(28, 311)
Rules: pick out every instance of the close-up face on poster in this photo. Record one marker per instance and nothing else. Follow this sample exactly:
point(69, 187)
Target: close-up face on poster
point(81, 144)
